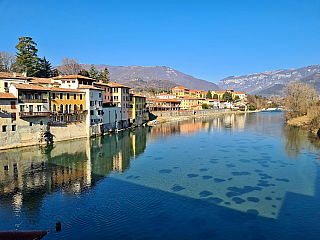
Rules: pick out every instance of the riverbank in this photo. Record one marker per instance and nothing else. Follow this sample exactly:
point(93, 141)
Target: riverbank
point(167, 118)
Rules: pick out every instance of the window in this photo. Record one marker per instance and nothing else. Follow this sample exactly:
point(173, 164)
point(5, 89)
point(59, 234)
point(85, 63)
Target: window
point(61, 119)
point(30, 124)
point(81, 117)
point(22, 107)
point(75, 117)
point(39, 108)
point(66, 108)
point(95, 102)
point(53, 96)
point(115, 97)
point(13, 116)
point(69, 118)
point(41, 123)
point(4, 128)
point(91, 94)
point(54, 108)
point(68, 96)
point(91, 103)
point(124, 90)
point(81, 107)
point(100, 103)
point(61, 108)
point(54, 119)
point(5, 84)
point(74, 96)
point(75, 107)
point(61, 95)
point(100, 95)
point(91, 112)
point(14, 128)
point(80, 96)
point(13, 105)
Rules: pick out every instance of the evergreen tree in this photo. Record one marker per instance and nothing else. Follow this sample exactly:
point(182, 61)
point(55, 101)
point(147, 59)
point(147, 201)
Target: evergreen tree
point(27, 59)
point(84, 72)
point(45, 68)
point(93, 72)
point(215, 96)
point(209, 95)
point(227, 97)
point(104, 75)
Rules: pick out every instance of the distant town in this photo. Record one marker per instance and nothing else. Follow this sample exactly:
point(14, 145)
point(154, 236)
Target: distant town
point(43, 110)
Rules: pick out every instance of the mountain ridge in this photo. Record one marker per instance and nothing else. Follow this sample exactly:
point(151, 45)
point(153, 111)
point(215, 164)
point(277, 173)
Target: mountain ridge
point(126, 74)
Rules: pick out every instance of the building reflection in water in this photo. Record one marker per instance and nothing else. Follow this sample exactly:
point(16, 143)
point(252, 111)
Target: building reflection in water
point(234, 122)
point(72, 167)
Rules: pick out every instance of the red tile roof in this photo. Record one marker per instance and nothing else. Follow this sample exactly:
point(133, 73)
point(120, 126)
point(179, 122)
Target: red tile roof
point(7, 96)
point(41, 80)
point(65, 90)
point(239, 93)
point(113, 84)
point(30, 87)
point(73, 77)
point(89, 87)
point(11, 76)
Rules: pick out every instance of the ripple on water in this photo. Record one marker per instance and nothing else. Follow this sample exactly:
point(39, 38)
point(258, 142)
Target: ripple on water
point(218, 180)
point(165, 171)
point(206, 177)
point(253, 199)
point(191, 175)
point(205, 193)
point(240, 173)
point(177, 188)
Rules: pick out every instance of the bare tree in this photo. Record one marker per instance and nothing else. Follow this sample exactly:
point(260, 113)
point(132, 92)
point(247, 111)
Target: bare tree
point(7, 62)
point(69, 66)
point(298, 98)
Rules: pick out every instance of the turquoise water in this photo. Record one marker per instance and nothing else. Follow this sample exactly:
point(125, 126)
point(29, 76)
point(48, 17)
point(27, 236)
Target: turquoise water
point(234, 177)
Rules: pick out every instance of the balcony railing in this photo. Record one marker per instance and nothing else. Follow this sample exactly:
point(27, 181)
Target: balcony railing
point(33, 100)
point(69, 112)
point(34, 114)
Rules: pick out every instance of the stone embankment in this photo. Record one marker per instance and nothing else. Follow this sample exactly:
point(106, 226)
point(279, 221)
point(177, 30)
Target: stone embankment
point(176, 116)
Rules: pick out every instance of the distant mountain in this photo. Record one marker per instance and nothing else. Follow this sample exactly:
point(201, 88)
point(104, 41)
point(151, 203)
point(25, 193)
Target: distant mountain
point(158, 74)
point(257, 82)
point(313, 80)
point(274, 90)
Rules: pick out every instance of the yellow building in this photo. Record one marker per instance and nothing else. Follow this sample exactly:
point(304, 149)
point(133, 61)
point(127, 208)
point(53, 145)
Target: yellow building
point(67, 106)
point(188, 103)
point(180, 91)
point(198, 93)
point(137, 112)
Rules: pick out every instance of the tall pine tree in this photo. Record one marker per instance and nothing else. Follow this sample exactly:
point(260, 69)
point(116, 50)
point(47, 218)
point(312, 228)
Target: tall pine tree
point(27, 59)
point(104, 75)
point(93, 72)
point(45, 69)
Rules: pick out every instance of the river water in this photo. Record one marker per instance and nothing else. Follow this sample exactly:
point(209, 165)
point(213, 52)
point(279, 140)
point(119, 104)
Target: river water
point(245, 176)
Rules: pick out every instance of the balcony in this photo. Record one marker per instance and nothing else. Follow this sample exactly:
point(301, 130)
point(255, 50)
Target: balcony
point(34, 114)
point(69, 112)
point(33, 100)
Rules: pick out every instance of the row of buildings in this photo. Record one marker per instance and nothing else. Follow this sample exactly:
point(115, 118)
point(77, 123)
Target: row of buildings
point(34, 110)
point(183, 98)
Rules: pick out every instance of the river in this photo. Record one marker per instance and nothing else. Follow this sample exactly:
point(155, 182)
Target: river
point(244, 176)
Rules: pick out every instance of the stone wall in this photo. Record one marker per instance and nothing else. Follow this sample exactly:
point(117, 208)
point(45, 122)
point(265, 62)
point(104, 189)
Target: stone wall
point(67, 132)
point(189, 112)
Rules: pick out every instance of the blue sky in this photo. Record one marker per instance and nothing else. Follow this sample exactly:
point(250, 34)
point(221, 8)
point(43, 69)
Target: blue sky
point(208, 39)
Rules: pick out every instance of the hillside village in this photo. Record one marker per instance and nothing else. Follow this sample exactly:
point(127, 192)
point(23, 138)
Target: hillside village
point(44, 110)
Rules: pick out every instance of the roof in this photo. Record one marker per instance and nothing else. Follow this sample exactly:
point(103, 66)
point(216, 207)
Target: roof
point(65, 90)
point(220, 91)
point(7, 96)
point(113, 84)
point(41, 80)
point(89, 87)
point(13, 76)
point(187, 97)
point(30, 87)
point(168, 100)
point(137, 95)
point(240, 93)
point(73, 77)
point(215, 100)
point(180, 87)
point(165, 93)
point(101, 83)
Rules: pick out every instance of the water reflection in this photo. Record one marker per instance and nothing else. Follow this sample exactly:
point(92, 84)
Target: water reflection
point(26, 175)
point(296, 140)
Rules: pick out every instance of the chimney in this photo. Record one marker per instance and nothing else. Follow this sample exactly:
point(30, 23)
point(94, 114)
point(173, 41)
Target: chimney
point(24, 74)
point(14, 74)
